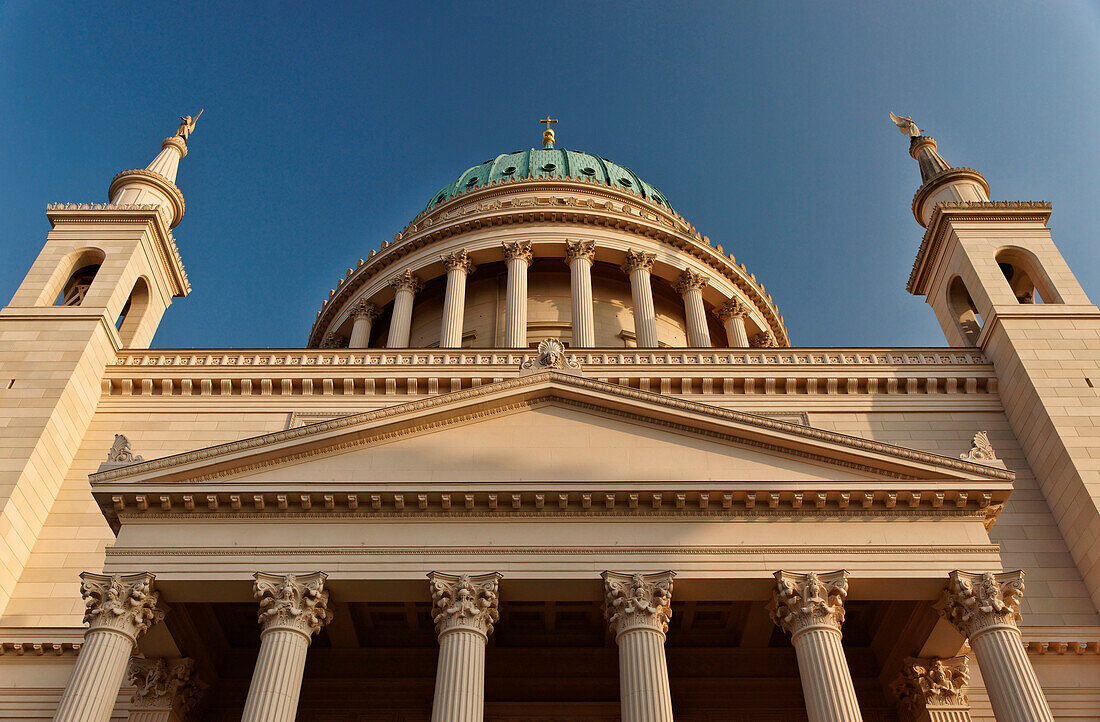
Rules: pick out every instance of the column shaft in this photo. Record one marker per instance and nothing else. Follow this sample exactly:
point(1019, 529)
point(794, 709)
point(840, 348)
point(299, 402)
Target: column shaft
point(97, 677)
point(454, 306)
point(1014, 691)
point(360, 333)
point(515, 311)
point(698, 333)
point(580, 283)
point(277, 678)
point(826, 681)
point(645, 318)
point(460, 677)
point(401, 320)
point(643, 677)
point(736, 334)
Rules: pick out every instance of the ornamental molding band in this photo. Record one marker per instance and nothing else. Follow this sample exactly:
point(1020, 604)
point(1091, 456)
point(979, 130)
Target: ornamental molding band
point(638, 261)
point(689, 280)
point(637, 601)
point(121, 452)
point(464, 601)
point(932, 683)
point(293, 602)
point(458, 261)
point(364, 309)
point(731, 308)
point(801, 602)
point(406, 281)
point(518, 250)
point(550, 354)
point(165, 684)
point(122, 603)
point(580, 249)
point(977, 603)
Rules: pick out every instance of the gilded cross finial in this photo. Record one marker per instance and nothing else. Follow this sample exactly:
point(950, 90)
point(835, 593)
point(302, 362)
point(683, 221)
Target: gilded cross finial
point(548, 135)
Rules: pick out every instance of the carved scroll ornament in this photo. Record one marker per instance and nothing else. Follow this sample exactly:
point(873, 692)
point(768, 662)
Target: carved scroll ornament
point(976, 603)
point(465, 601)
point(931, 683)
point(124, 603)
point(551, 355)
point(297, 603)
point(633, 601)
point(805, 601)
point(165, 684)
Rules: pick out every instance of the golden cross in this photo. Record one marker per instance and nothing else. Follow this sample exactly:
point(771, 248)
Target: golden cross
point(548, 120)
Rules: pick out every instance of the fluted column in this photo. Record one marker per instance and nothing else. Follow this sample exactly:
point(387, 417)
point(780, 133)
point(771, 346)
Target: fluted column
point(165, 689)
point(690, 285)
point(292, 609)
point(638, 266)
point(931, 690)
point(117, 609)
point(637, 608)
point(454, 302)
point(732, 314)
point(405, 286)
point(810, 607)
point(464, 609)
point(985, 607)
point(518, 257)
point(363, 315)
point(579, 255)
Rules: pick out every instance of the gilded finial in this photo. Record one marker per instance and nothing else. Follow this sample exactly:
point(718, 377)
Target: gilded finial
point(548, 135)
point(187, 124)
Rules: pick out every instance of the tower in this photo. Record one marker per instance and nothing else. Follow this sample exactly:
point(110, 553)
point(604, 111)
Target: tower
point(101, 283)
point(995, 280)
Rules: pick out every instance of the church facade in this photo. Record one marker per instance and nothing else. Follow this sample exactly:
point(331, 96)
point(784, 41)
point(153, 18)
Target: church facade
point(549, 455)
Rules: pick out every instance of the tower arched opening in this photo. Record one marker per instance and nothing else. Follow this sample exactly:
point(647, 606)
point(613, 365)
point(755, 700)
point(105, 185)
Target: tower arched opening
point(133, 313)
point(73, 278)
point(1025, 276)
point(965, 312)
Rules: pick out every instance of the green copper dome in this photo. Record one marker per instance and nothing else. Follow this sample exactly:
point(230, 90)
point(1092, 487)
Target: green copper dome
point(550, 163)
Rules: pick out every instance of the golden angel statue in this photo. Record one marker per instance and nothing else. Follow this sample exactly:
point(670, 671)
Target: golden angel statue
point(906, 125)
point(187, 124)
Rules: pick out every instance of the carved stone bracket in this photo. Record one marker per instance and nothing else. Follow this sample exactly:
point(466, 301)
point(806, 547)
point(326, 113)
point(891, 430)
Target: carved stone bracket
point(364, 309)
point(297, 603)
point(636, 260)
point(690, 280)
point(731, 308)
point(458, 261)
point(406, 281)
point(932, 683)
point(807, 601)
point(518, 249)
point(550, 355)
point(580, 249)
point(165, 684)
point(977, 603)
point(464, 601)
point(637, 601)
point(123, 603)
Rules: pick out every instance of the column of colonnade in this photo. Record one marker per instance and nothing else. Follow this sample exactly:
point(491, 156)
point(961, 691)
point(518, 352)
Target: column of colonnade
point(732, 314)
point(809, 606)
point(458, 267)
point(517, 256)
point(690, 285)
point(363, 315)
point(405, 286)
point(638, 266)
point(579, 255)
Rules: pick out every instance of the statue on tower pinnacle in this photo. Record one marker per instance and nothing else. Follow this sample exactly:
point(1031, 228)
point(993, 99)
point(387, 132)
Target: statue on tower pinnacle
point(187, 125)
point(906, 125)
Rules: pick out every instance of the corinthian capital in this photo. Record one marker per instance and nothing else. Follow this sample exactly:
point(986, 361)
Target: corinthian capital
point(806, 601)
point(364, 309)
point(519, 249)
point(458, 261)
point(464, 601)
point(731, 308)
point(123, 603)
point(763, 340)
point(580, 249)
point(636, 260)
point(932, 683)
point(690, 280)
point(165, 684)
point(406, 281)
point(297, 603)
point(637, 601)
point(977, 603)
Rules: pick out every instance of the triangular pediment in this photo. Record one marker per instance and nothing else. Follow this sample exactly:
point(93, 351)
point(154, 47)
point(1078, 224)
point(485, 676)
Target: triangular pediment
point(551, 427)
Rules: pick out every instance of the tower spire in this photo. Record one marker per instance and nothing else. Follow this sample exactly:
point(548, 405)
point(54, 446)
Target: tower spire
point(157, 182)
point(940, 181)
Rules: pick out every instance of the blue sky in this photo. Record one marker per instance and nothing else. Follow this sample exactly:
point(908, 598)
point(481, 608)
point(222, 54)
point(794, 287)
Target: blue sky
point(328, 126)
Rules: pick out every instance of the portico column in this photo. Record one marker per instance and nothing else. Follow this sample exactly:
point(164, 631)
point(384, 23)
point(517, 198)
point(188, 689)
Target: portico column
point(579, 255)
point(464, 609)
point(405, 286)
point(690, 285)
point(638, 265)
point(454, 302)
point(637, 608)
point(165, 689)
point(732, 314)
point(810, 607)
point(985, 607)
point(931, 690)
point(118, 610)
point(292, 609)
point(518, 257)
point(363, 315)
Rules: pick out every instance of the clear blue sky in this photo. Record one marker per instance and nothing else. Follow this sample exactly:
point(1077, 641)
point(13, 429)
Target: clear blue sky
point(328, 127)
